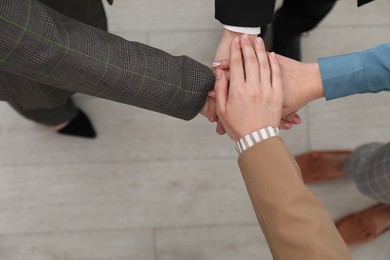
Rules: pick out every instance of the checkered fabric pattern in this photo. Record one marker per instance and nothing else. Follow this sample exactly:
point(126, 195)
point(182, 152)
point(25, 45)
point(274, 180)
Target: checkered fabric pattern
point(369, 167)
point(41, 45)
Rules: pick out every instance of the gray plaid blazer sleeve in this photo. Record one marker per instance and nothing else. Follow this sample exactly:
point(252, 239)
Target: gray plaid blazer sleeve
point(42, 45)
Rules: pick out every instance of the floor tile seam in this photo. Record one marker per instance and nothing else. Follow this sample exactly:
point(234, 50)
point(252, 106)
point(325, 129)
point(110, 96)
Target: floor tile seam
point(12, 166)
point(226, 225)
point(154, 230)
point(80, 231)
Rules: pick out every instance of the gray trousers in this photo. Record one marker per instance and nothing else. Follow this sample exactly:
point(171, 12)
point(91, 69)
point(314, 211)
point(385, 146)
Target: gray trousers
point(42, 103)
point(369, 167)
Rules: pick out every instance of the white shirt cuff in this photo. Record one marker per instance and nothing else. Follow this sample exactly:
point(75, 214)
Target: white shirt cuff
point(247, 30)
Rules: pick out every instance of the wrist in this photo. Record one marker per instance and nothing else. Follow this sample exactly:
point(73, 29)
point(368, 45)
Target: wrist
point(317, 87)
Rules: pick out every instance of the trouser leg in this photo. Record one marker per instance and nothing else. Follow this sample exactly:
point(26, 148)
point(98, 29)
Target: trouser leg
point(298, 16)
point(294, 18)
point(90, 12)
point(369, 167)
point(49, 116)
point(40, 103)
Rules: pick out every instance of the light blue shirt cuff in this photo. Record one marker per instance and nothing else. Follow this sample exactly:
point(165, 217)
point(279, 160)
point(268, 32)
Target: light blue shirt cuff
point(360, 72)
point(342, 75)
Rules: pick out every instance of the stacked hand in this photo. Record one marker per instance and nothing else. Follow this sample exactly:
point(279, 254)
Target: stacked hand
point(301, 83)
point(221, 57)
point(253, 99)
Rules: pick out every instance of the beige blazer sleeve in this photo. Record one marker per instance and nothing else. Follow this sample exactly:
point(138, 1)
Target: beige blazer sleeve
point(294, 222)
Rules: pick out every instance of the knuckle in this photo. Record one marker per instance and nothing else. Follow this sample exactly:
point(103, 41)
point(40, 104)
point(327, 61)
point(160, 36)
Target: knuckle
point(264, 64)
point(251, 58)
point(255, 93)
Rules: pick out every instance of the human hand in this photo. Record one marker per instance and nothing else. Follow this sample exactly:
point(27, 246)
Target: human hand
point(302, 84)
point(221, 61)
point(255, 96)
point(222, 54)
point(209, 111)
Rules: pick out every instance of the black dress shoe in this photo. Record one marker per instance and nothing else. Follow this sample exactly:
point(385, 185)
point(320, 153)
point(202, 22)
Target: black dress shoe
point(79, 126)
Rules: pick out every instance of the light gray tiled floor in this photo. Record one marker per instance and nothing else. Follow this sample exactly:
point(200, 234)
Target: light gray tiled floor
point(154, 187)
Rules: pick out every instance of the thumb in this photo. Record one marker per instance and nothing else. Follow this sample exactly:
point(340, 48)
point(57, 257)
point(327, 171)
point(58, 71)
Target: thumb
point(221, 91)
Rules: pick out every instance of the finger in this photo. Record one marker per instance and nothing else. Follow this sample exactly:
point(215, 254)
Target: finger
point(220, 129)
point(262, 58)
point(251, 64)
point(293, 118)
point(221, 92)
point(237, 77)
point(285, 125)
point(297, 119)
point(227, 73)
point(211, 110)
point(276, 76)
point(222, 65)
point(290, 120)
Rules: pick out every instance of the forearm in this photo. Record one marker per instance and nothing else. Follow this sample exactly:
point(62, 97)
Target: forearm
point(360, 72)
point(295, 223)
point(58, 51)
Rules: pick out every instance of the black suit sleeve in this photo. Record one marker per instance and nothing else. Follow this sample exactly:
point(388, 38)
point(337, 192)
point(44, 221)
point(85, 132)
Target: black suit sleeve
point(245, 13)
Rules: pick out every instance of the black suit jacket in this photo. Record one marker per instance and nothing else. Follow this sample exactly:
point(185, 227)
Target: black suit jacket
point(249, 13)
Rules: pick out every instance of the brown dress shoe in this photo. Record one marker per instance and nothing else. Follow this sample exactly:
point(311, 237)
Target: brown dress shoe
point(365, 225)
point(319, 166)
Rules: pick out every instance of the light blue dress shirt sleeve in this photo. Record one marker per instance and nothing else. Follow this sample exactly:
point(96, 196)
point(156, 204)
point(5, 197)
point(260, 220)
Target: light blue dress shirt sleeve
point(360, 72)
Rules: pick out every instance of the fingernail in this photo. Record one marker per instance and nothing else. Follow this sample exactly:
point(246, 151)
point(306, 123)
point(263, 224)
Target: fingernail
point(237, 39)
point(287, 125)
point(259, 40)
point(273, 55)
point(211, 119)
point(216, 64)
point(211, 93)
point(245, 36)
